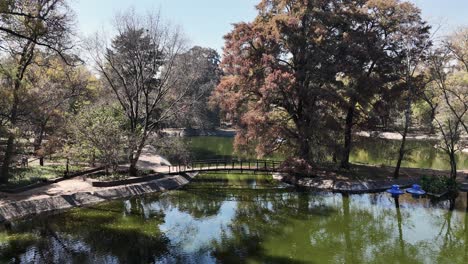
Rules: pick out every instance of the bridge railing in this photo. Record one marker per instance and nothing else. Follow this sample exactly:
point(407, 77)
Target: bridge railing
point(233, 164)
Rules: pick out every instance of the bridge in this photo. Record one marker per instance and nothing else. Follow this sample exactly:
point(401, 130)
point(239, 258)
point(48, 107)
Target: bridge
point(226, 165)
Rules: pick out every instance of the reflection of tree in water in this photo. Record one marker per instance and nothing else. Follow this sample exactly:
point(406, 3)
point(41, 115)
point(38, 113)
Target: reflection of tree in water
point(421, 154)
point(97, 234)
point(12, 244)
point(304, 228)
point(284, 216)
point(452, 237)
point(206, 194)
point(466, 230)
point(199, 204)
point(265, 225)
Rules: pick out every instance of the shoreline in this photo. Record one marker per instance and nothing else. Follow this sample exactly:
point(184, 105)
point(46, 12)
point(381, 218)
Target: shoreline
point(81, 191)
point(396, 135)
point(25, 208)
point(183, 132)
point(343, 186)
point(231, 132)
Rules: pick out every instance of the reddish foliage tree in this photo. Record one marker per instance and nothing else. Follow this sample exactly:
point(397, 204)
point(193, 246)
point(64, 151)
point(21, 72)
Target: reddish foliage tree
point(278, 75)
point(299, 73)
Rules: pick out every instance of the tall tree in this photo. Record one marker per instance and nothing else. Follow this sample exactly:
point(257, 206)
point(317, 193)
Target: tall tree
point(139, 67)
point(45, 23)
point(455, 49)
point(57, 90)
point(26, 26)
point(416, 46)
point(385, 36)
point(280, 71)
point(449, 74)
point(204, 75)
point(293, 71)
point(450, 86)
point(457, 44)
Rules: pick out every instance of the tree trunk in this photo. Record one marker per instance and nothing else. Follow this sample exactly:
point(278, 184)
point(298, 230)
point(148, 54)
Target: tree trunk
point(25, 60)
point(432, 117)
point(38, 144)
point(133, 171)
point(304, 150)
point(67, 168)
point(348, 135)
point(9, 151)
point(135, 155)
point(11, 138)
point(7, 160)
point(401, 152)
point(93, 159)
point(453, 165)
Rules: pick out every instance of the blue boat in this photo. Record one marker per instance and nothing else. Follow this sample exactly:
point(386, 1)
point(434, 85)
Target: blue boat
point(416, 189)
point(395, 190)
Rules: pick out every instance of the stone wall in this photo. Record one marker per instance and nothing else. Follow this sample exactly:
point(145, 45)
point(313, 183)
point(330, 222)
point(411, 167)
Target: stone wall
point(27, 208)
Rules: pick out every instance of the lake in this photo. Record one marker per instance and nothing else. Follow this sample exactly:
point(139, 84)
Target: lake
point(372, 151)
point(246, 218)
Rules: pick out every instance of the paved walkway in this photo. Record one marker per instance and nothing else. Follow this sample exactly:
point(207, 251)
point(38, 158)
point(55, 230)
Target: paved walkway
point(79, 191)
point(37, 204)
point(149, 160)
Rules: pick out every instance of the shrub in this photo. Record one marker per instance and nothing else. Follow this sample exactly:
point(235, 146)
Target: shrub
point(438, 184)
point(297, 166)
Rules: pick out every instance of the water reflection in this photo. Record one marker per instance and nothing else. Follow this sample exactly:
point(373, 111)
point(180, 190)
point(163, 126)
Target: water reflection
point(374, 151)
point(250, 220)
point(421, 154)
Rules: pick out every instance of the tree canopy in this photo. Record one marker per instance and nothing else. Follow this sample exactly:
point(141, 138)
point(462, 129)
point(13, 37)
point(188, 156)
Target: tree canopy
point(304, 70)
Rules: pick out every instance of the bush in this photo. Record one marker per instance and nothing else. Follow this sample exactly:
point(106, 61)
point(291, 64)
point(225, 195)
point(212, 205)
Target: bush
point(97, 135)
point(297, 167)
point(438, 184)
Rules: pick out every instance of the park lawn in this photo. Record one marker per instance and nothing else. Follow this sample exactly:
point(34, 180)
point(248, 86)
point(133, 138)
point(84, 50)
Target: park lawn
point(34, 174)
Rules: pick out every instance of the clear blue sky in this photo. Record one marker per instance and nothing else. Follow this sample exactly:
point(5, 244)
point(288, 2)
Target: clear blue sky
point(205, 22)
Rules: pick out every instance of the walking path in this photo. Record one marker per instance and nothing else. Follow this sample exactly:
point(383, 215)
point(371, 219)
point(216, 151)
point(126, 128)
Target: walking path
point(79, 191)
point(149, 161)
point(23, 206)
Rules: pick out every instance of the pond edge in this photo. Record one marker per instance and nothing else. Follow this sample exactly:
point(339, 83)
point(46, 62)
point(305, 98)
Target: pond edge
point(28, 208)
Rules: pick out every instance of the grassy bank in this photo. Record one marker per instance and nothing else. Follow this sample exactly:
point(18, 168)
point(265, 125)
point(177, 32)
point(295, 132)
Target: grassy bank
point(25, 176)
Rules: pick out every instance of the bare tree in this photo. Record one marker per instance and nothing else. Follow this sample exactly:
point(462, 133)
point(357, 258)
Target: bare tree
point(457, 44)
point(451, 88)
point(455, 56)
point(44, 23)
point(139, 66)
point(415, 53)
